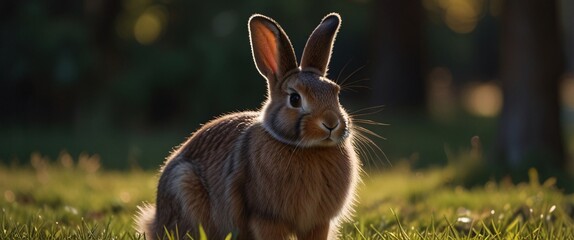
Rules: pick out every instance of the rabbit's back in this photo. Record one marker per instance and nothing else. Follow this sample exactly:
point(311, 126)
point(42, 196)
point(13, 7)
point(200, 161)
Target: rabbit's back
point(215, 140)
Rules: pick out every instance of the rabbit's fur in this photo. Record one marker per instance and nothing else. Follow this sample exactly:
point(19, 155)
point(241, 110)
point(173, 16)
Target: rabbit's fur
point(287, 171)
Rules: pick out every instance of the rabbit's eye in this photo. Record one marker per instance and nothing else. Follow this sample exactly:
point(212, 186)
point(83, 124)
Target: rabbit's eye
point(295, 100)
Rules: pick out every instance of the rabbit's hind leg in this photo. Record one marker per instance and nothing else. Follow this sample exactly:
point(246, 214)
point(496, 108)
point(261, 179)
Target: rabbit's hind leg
point(186, 202)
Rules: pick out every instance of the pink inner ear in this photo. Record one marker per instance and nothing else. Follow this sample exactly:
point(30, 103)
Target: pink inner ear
point(267, 47)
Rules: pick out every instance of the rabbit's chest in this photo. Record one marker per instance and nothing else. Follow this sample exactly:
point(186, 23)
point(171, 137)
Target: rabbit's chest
point(319, 190)
point(305, 189)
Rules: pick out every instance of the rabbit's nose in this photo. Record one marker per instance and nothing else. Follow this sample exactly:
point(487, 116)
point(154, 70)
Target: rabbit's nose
point(330, 120)
point(329, 127)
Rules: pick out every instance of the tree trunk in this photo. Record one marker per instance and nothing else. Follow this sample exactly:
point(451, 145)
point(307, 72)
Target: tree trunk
point(530, 132)
point(397, 78)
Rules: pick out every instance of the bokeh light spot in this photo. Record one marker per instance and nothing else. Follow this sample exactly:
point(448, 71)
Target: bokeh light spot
point(147, 28)
point(461, 16)
point(149, 25)
point(483, 99)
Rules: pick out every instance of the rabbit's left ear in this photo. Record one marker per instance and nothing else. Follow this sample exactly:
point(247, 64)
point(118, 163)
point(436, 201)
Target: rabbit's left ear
point(318, 49)
point(271, 48)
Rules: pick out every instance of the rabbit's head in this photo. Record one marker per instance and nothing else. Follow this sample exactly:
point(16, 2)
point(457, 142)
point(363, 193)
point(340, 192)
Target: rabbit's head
point(302, 106)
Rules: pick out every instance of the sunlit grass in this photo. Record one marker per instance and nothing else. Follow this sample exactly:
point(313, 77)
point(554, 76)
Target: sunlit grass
point(60, 199)
point(79, 200)
point(402, 204)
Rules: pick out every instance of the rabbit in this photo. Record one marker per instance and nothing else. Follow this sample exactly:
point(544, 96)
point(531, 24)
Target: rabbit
point(287, 171)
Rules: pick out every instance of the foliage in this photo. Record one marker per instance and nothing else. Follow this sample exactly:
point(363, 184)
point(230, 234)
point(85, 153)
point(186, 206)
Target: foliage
point(77, 200)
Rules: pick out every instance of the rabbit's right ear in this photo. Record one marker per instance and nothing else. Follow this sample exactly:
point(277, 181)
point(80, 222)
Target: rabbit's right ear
point(271, 48)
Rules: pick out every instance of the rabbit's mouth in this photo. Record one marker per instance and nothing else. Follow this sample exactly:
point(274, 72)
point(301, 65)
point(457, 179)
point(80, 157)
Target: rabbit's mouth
point(332, 139)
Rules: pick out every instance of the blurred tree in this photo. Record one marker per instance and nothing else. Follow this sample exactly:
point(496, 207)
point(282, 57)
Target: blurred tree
point(100, 18)
point(398, 78)
point(532, 61)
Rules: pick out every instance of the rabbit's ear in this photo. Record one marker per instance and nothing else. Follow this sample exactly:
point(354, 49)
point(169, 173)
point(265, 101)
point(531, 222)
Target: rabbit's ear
point(271, 48)
point(317, 51)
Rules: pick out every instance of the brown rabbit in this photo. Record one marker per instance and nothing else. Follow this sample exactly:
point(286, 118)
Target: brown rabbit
point(287, 171)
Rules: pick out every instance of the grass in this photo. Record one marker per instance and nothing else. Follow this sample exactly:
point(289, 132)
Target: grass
point(76, 199)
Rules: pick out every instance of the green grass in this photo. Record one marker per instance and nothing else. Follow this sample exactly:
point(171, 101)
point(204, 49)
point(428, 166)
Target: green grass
point(76, 199)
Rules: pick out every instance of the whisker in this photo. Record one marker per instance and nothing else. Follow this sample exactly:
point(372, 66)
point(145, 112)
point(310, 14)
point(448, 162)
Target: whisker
point(358, 144)
point(363, 111)
point(367, 131)
point(367, 152)
point(354, 88)
point(373, 149)
point(362, 145)
point(352, 85)
point(372, 145)
point(369, 122)
point(341, 72)
point(352, 74)
point(370, 157)
point(367, 147)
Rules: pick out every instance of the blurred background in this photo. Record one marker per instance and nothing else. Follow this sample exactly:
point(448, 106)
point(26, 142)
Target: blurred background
point(127, 80)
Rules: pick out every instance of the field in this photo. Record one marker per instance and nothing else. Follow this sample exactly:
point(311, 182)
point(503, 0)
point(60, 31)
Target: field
point(73, 198)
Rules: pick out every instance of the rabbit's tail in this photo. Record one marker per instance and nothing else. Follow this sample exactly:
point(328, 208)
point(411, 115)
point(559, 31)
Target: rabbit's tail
point(145, 220)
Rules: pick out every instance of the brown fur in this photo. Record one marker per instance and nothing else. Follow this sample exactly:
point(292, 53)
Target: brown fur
point(281, 173)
